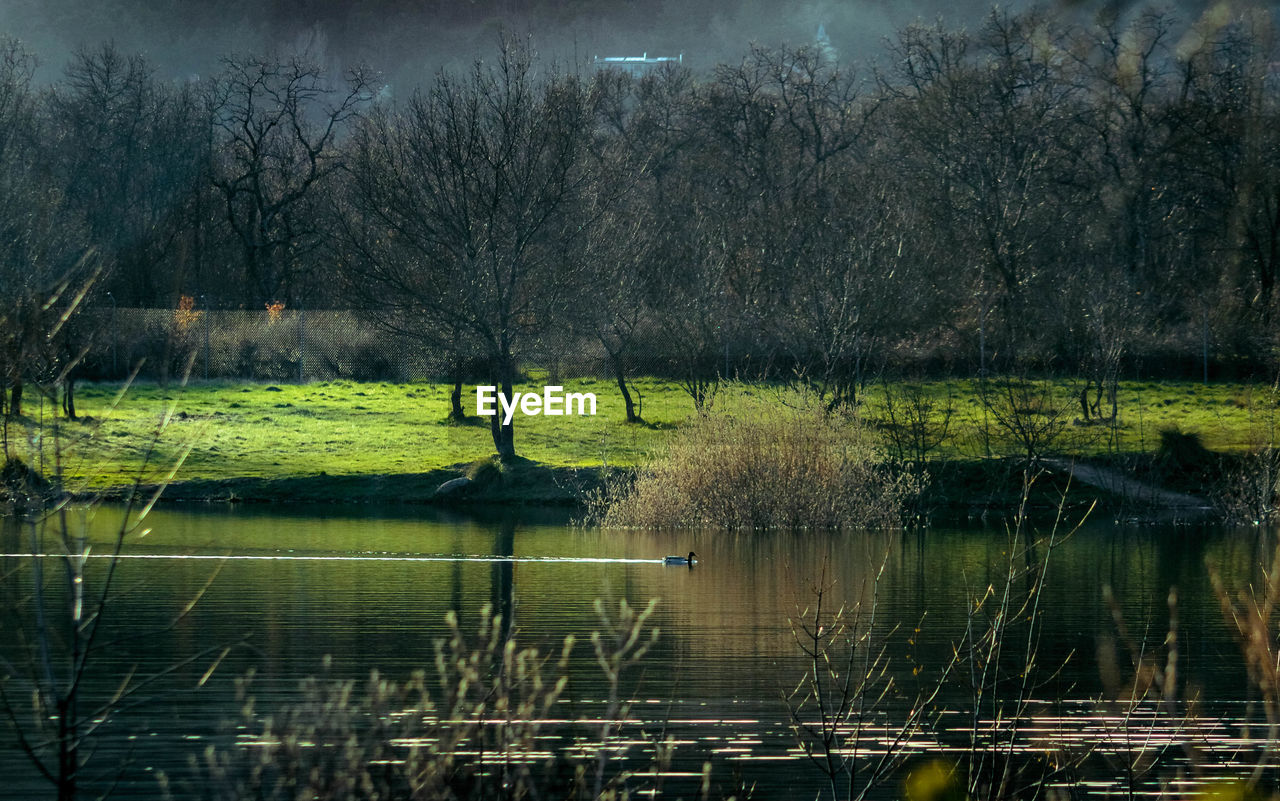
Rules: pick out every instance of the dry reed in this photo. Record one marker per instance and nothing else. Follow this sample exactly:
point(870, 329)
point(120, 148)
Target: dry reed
point(764, 466)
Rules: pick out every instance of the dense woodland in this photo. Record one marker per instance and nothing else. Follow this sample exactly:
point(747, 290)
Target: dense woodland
point(1026, 195)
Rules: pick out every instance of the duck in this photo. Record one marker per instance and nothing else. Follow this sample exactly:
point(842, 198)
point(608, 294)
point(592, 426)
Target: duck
point(681, 560)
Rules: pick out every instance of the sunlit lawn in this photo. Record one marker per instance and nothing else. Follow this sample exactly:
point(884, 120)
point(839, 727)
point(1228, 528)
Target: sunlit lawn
point(341, 427)
point(1226, 416)
point(270, 430)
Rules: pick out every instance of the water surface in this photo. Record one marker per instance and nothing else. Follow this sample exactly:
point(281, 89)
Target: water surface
point(339, 593)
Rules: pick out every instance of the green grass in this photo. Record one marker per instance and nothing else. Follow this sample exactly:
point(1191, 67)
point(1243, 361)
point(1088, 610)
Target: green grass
point(346, 428)
point(1226, 416)
point(338, 428)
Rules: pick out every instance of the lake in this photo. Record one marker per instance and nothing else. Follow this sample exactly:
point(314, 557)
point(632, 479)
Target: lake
point(338, 592)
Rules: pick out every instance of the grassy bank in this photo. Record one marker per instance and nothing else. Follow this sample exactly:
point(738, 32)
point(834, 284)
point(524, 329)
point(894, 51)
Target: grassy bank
point(266, 431)
point(364, 441)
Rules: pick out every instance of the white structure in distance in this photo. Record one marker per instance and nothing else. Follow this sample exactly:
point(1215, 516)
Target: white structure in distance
point(636, 65)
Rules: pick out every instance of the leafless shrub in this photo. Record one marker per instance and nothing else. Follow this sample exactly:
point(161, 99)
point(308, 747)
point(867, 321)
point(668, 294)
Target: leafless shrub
point(1003, 628)
point(1147, 708)
point(1000, 670)
point(54, 611)
point(1251, 614)
point(474, 729)
point(840, 707)
point(1250, 493)
point(914, 423)
point(1029, 417)
point(762, 467)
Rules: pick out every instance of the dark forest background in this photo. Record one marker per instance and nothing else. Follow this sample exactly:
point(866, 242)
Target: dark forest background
point(1029, 193)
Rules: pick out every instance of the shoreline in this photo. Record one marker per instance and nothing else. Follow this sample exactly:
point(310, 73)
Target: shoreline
point(531, 484)
point(957, 490)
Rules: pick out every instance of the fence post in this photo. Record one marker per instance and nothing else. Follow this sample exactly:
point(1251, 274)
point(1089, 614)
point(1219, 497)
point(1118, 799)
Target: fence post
point(204, 304)
point(302, 343)
point(1205, 342)
point(115, 337)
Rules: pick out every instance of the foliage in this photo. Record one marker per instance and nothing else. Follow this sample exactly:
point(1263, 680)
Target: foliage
point(186, 315)
point(760, 467)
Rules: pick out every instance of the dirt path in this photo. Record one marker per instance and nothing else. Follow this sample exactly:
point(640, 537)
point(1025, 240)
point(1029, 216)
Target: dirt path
point(1117, 483)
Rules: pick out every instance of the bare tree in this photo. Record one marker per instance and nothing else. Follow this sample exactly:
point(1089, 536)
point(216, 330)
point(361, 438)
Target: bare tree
point(464, 210)
point(276, 121)
point(43, 269)
point(1226, 174)
point(129, 152)
point(1030, 416)
point(982, 123)
point(640, 129)
point(854, 286)
point(613, 309)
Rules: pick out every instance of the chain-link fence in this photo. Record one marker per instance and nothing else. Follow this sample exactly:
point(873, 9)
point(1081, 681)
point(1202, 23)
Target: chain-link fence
point(303, 345)
point(295, 345)
point(269, 345)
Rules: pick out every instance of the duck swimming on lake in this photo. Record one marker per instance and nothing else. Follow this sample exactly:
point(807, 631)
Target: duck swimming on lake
point(681, 560)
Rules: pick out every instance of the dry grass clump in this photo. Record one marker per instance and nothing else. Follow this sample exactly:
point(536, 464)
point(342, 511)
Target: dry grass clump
point(764, 466)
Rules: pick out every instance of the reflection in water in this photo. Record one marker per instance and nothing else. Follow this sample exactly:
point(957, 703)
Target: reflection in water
point(455, 583)
point(504, 577)
point(373, 592)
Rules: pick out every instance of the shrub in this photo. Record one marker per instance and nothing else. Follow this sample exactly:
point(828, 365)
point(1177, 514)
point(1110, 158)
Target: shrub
point(1029, 417)
point(1183, 451)
point(20, 483)
point(479, 728)
point(1249, 492)
point(763, 467)
point(1183, 463)
point(485, 472)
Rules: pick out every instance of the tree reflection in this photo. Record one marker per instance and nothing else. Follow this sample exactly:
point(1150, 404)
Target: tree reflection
point(502, 575)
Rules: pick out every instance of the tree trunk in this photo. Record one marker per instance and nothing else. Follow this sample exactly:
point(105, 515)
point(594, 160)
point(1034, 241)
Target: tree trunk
point(69, 398)
point(68, 760)
point(15, 398)
point(507, 439)
point(620, 375)
point(495, 429)
point(504, 439)
point(456, 412)
point(456, 367)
